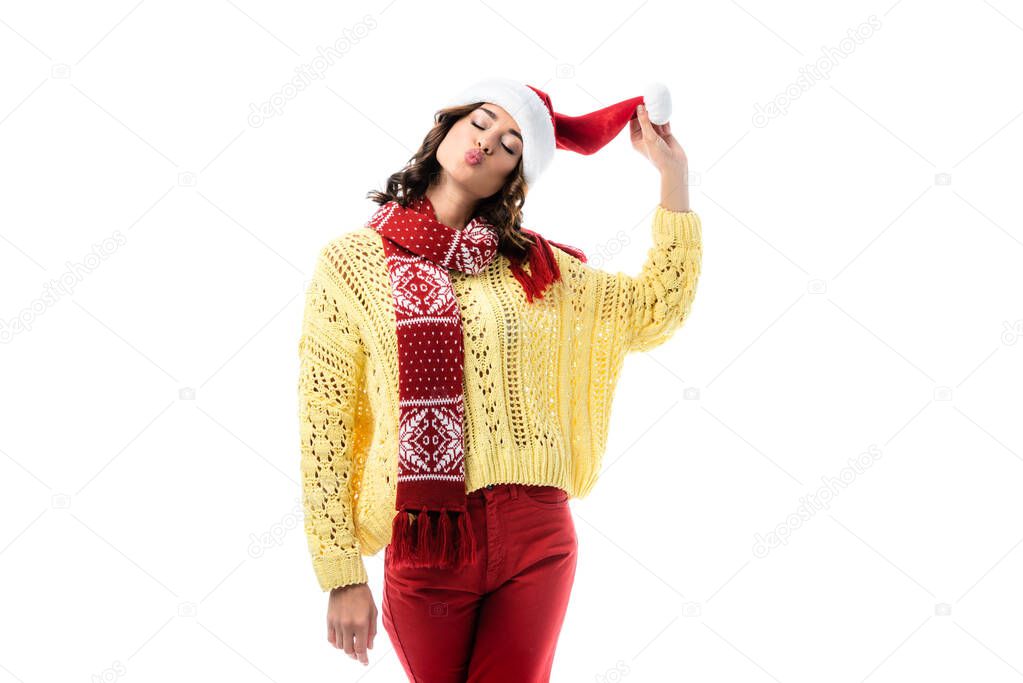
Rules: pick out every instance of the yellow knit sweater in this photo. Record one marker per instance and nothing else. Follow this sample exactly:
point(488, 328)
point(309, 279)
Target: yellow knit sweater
point(539, 378)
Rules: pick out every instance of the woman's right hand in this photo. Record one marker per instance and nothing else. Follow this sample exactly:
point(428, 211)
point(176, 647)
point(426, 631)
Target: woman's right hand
point(352, 620)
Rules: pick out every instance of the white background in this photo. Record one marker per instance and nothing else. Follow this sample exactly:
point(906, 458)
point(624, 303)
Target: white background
point(860, 294)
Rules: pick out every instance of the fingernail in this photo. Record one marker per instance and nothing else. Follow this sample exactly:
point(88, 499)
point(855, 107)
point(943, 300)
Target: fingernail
point(641, 108)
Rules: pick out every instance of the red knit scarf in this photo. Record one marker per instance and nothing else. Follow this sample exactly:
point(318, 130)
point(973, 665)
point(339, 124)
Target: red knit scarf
point(420, 250)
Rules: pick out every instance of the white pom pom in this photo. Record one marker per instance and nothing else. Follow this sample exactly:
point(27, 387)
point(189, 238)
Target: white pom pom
point(658, 102)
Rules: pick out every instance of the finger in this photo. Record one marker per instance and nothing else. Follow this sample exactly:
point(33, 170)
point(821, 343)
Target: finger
point(372, 633)
point(634, 130)
point(331, 635)
point(349, 641)
point(644, 122)
point(360, 644)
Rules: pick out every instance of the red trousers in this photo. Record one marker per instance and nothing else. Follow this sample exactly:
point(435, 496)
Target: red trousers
point(499, 618)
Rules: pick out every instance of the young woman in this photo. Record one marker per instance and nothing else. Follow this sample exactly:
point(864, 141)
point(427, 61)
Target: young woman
point(459, 368)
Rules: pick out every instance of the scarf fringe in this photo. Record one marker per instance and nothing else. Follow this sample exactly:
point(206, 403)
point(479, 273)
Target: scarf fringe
point(543, 266)
point(426, 542)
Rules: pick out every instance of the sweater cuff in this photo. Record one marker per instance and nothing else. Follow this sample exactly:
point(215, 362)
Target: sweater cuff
point(339, 570)
point(676, 226)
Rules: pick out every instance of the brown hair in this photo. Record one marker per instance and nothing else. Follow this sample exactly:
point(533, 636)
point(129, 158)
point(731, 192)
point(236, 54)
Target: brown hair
point(503, 209)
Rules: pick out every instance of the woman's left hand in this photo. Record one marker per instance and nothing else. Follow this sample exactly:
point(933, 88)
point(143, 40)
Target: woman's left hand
point(657, 144)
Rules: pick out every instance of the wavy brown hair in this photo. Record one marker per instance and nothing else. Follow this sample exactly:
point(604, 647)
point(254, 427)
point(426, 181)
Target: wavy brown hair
point(503, 209)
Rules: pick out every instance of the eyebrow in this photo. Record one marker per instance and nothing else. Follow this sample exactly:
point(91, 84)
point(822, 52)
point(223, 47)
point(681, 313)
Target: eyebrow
point(494, 116)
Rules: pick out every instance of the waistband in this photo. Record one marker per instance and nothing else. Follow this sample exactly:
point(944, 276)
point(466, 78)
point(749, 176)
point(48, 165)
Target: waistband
point(511, 489)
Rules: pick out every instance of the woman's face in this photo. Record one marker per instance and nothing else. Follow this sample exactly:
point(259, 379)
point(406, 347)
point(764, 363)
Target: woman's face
point(481, 149)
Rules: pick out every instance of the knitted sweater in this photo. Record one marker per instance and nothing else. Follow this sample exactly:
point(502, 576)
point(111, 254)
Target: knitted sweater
point(539, 378)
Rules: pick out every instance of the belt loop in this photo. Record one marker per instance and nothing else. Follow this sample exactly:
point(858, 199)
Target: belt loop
point(514, 491)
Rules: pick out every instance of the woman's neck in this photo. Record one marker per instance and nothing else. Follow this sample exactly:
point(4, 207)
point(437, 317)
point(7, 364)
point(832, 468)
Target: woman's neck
point(453, 208)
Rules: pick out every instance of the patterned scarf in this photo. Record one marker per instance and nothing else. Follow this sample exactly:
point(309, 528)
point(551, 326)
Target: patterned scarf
point(420, 250)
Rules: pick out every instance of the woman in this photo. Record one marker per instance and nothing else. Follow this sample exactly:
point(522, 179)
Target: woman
point(460, 368)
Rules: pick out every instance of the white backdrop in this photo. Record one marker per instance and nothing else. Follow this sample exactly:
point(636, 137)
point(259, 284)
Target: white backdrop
point(817, 479)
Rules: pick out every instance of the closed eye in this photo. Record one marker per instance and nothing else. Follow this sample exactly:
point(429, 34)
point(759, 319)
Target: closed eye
point(502, 144)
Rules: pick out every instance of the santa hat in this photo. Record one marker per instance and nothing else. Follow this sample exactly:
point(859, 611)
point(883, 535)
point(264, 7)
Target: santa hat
point(544, 130)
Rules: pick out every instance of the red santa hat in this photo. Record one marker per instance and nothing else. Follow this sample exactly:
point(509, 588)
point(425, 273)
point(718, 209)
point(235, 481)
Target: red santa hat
point(544, 130)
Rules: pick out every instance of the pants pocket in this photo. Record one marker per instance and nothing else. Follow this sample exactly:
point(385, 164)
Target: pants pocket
point(544, 496)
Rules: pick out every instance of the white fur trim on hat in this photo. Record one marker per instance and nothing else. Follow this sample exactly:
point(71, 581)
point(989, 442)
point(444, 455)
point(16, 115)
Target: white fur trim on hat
point(528, 110)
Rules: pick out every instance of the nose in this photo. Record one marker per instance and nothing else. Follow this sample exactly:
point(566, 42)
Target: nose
point(485, 149)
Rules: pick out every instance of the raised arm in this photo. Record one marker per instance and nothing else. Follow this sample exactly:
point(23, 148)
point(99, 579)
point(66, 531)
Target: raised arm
point(657, 301)
point(331, 372)
point(654, 304)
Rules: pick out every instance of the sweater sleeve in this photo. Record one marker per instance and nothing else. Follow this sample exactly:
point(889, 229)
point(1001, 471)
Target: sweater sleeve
point(610, 314)
point(653, 305)
point(331, 370)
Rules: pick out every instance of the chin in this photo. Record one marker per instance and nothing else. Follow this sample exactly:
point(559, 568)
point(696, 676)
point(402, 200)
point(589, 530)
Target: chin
point(463, 176)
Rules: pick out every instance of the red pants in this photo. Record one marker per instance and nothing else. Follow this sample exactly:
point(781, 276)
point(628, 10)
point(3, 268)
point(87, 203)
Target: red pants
point(499, 618)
